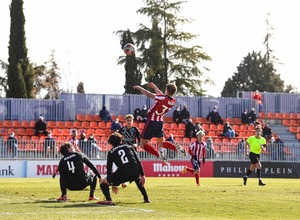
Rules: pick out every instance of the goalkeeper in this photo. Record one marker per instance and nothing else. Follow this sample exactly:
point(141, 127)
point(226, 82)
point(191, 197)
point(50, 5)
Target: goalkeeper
point(72, 173)
point(197, 150)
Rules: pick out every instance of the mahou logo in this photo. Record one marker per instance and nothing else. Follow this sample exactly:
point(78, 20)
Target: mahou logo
point(167, 170)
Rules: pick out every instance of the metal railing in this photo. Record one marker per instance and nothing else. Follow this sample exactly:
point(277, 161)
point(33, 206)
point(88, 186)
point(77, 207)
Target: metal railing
point(37, 150)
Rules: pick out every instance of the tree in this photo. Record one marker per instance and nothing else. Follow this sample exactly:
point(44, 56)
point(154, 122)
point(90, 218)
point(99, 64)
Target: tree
point(254, 73)
point(19, 72)
point(132, 74)
point(52, 78)
point(164, 54)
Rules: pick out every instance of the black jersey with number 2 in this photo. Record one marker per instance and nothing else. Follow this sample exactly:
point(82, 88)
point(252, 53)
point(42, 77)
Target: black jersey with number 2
point(124, 156)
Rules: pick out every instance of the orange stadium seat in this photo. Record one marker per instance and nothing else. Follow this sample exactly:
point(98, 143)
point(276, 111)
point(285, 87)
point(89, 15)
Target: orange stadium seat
point(25, 124)
point(7, 124)
point(51, 124)
point(77, 125)
point(68, 124)
point(96, 118)
point(85, 124)
point(80, 117)
point(89, 117)
point(60, 124)
point(93, 124)
point(279, 115)
point(271, 115)
point(16, 124)
point(21, 131)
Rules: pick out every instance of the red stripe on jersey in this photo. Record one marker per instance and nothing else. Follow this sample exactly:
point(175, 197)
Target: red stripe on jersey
point(198, 149)
point(162, 105)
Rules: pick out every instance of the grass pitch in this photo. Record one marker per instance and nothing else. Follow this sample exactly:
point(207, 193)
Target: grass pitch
point(171, 198)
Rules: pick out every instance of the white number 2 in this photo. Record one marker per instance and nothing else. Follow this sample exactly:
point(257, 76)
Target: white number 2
point(71, 166)
point(123, 157)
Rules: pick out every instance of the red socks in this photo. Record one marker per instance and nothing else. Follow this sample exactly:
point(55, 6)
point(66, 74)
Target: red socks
point(169, 145)
point(151, 150)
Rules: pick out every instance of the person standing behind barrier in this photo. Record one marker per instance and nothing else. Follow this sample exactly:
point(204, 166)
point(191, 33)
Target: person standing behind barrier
point(214, 116)
point(12, 144)
point(197, 151)
point(154, 124)
point(210, 150)
point(185, 114)
point(74, 141)
point(92, 146)
point(40, 127)
point(50, 145)
point(254, 145)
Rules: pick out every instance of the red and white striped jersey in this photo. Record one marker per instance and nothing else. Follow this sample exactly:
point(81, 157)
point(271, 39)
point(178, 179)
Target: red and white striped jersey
point(198, 149)
point(162, 105)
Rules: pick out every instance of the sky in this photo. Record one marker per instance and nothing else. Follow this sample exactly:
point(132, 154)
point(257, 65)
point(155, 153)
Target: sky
point(86, 49)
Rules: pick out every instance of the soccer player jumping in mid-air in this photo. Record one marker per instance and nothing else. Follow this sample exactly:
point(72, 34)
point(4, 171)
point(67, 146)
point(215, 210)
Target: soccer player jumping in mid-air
point(154, 124)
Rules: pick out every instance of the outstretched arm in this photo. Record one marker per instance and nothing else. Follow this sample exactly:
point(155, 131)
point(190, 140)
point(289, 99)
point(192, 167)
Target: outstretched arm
point(145, 92)
point(156, 89)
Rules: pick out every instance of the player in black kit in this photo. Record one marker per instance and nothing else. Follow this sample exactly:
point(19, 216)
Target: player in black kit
point(129, 168)
point(72, 174)
point(130, 134)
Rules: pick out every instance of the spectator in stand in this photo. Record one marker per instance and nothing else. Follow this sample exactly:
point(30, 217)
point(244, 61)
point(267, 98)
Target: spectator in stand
point(252, 116)
point(267, 132)
point(214, 116)
point(245, 117)
point(228, 131)
point(137, 114)
point(116, 126)
point(177, 115)
point(50, 145)
point(189, 129)
point(257, 96)
point(197, 151)
point(40, 127)
point(141, 115)
point(185, 114)
point(144, 114)
point(92, 147)
point(198, 127)
point(12, 144)
point(104, 114)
